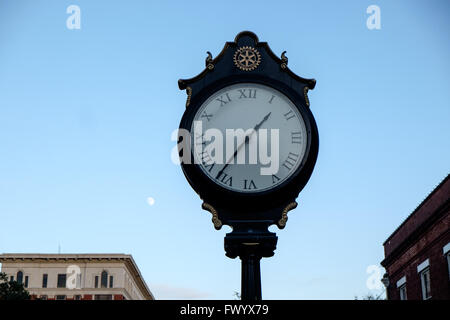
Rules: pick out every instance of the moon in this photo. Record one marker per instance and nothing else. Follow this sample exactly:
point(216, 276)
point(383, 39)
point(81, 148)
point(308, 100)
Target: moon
point(150, 201)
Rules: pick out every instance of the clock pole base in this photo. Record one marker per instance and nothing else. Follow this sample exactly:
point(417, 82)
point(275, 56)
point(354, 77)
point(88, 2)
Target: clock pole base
point(250, 245)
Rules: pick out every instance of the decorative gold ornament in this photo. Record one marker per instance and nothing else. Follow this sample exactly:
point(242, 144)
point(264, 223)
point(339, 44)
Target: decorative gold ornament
point(284, 60)
point(189, 94)
point(209, 61)
point(247, 58)
point(215, 217)
point(305, 92)
point(284, 217)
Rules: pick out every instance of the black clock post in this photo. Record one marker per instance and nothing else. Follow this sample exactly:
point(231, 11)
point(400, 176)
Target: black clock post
point(246, 60)
point(251, 243)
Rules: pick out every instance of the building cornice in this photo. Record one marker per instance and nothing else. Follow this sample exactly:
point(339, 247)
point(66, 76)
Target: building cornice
point(416, 234)
point(83, 258)
point(411, 215)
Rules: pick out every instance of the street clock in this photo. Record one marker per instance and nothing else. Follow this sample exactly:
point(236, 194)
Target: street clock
point(251, 142)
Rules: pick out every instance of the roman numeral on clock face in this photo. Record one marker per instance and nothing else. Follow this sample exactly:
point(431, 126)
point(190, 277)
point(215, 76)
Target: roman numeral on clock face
point(206, 159)
point(225, 179)
point(199, 138)
point(247, 93)
point(249, 185)
point(224, 99)
point(275, 179)
point(209, 167)
point(206, 115)
point(290, 161)
point(207, 162)
point(289, 115)
point(296, 137)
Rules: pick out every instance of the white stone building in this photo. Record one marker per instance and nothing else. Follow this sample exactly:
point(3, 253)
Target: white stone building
point(77, 276)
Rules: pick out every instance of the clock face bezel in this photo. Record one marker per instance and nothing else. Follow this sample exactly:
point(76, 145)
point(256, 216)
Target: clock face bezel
point(288, 189)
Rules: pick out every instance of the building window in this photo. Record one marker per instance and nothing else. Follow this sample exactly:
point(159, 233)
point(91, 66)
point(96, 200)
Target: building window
point(401, 286)
point(111, 281)
point(425, 282)
point(61, 297)
point(77, 297)
point(103, 297)
point(96, 282)
point(448, 263)
point(44, 280)
point(20, 277)
point(61, 281)
point(43, 297)
point(104, 280)
point(402, 291)
point(26, 282)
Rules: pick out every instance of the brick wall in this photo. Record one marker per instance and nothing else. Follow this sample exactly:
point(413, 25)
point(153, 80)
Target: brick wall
point(421, 236)
point(439, 275)
point(426, 209)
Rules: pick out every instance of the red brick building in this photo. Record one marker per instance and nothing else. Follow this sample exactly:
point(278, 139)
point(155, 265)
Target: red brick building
point(417, 254)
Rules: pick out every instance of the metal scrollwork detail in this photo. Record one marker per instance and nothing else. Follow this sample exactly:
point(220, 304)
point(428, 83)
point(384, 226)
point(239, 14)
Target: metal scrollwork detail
point(215, 217)
point(189, 94)
point(247, 58)
point(305, 92)
point(208, 61)
point(284, 217)
point(284, 60)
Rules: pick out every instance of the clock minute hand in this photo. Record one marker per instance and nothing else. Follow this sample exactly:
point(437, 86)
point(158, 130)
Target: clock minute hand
point(262, 121)
point(231, 158)
point(246, 141)
point(247, 137)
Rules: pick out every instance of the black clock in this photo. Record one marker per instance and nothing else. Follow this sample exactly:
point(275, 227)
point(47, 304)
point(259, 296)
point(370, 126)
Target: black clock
point(253, 141)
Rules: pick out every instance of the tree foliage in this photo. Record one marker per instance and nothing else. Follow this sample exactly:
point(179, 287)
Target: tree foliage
point(12, 290)
point(371, 296)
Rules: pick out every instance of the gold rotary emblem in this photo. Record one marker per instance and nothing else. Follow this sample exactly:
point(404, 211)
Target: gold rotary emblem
point(247, 58)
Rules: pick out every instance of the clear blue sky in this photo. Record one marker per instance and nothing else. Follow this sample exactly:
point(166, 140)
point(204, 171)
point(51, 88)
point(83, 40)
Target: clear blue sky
point(86, 117)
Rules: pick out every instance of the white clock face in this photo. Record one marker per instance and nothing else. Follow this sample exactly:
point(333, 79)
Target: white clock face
point(245, 164)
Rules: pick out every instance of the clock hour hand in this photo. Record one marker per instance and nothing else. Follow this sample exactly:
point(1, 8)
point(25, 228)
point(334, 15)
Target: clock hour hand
point(262, 121)
point(246, 141)
point(247, 137)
